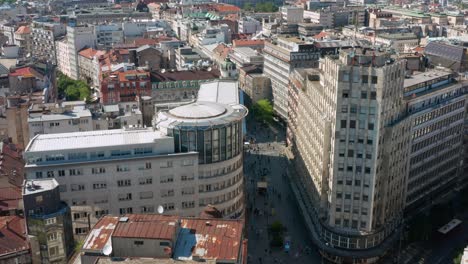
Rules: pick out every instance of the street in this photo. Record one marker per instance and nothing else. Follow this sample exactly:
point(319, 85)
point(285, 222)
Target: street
point(264, 162)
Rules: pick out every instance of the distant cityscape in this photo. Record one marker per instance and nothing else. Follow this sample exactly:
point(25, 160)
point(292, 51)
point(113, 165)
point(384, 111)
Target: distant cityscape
point(232, 131)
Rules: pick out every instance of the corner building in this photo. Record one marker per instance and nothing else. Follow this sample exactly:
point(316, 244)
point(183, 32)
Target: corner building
point(191, 158)
point(355, 125)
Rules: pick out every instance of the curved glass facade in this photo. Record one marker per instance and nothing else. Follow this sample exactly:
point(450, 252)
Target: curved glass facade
point(214, 144)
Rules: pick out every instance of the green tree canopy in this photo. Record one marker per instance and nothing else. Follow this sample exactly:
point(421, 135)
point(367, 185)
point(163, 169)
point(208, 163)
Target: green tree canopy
point(262, 110)
point(261, 7)
point(72, 90)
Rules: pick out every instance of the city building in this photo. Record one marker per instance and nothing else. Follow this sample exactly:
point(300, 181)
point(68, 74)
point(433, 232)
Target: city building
point(48, 221)
point(148, 57)
point(165, 239)
point(89, 66)
point(23, 39)
point(103, 15)
point(348, 140)
point(447, 55)
point(26, 80)
point(254, 84)
point(44, 35)
point(249, 25)
point(401, 42)
point(292, 14)
point(125, 86)
point(280, 60)
point(134, 169)
point(78, 37)
point(187, 58)
point(63, 56)
point(243, 56)
point(107, 35)
point(60, 119)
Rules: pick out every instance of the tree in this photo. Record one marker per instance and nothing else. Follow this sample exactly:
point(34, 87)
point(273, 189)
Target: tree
point(262, 110)
point(248, 6)
point(71, 89)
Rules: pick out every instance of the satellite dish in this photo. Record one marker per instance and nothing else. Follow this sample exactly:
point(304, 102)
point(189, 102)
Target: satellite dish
point(163, 70)
point(209, 69)
point(160, 209)
point(107, 250)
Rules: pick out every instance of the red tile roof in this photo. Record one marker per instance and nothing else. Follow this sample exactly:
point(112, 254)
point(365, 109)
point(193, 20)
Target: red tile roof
point(419, 49)
point(321, 35)
point(25, 72)
point(133, 73)
point(221, 51)
point(224, 8)
point(10, 198)
point(150, 226)
point(144, 41)
point(11, 165)
point(216, 238)
point(88, 53)
point(248, 42)
point(13, 238)
point(23, 30)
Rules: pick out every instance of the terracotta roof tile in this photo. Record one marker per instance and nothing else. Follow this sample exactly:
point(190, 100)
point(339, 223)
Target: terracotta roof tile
point(23, 30)
point(13, 238)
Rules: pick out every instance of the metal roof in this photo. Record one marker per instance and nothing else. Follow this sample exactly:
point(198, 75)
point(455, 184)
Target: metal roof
point(198, 110)
point(94, 139)
point(148, 226)
point(448, 51)
point(209, 239)
point(101, 233)
point(224, 92)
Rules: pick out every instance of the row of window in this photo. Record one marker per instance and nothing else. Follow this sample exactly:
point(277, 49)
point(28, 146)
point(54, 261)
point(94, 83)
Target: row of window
point(352, 124)
point(439, 112)
point(432, 152)
point(437, 125)
point(414, 173)
point(349, 182)
point(356, 196)
point(436, 138)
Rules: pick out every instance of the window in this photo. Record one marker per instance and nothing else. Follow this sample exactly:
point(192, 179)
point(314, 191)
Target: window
point(343, 123)
point(54, 251)
point(374, 80)
point(188, 190)
point(147, 209)
point(38, 174)
point(348, 196)
point(186, 178)
point(142, 151)
point(164, 244)
point(373, 95)
point(364, 211)
point(363, 224)
point(74, 172)
point(121, 168)
point(127, 210)
point(167, 178)
point(81, 230)
point(61, 173)
point(167, 193)
point(365, 78)
point(188, 204)
point(99, 185)
point(123, 183)
point(118, 153)
point(339, 195)
point(51, 221)
point(146, 195)
point(148, 165)
point(354, 224)
point(125, 197)
point(168, 206)
point(98, 170)
point(100, 213)
point(367, 170)
point(352, 124)
point(350, 153)
point(370, 126)
point(50, 174)
point(356, 196)
point(187, 163)
point(166, 164)
point(77, 187)
point(363, 95)
point(138, 242)
point(357, 182)
point(365, 198)
point(143, 181)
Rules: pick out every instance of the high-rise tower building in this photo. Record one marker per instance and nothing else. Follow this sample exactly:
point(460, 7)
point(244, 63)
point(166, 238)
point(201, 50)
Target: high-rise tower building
point(354, 130)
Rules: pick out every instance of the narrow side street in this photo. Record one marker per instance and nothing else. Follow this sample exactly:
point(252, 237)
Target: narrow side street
point(264, 162)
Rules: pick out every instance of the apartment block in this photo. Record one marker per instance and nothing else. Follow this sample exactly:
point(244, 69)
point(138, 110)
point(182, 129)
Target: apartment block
point(281, 58)
point(44, 35)
point(372, 146)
